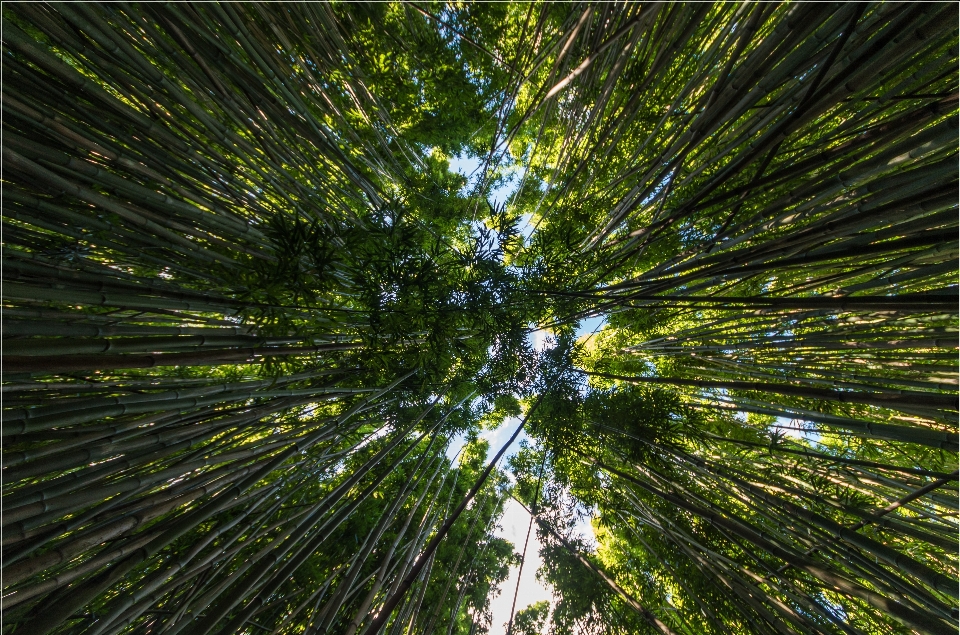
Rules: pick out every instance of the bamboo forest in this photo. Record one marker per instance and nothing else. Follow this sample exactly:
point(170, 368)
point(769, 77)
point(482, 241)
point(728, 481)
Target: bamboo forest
point(299, 298)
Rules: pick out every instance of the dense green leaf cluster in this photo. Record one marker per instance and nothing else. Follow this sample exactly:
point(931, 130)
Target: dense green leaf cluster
point(271, 270)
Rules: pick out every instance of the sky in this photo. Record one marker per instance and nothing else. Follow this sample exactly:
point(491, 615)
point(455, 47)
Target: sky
point(515, 521)
point(513, 527)
point(798, 430)
point(470, 167)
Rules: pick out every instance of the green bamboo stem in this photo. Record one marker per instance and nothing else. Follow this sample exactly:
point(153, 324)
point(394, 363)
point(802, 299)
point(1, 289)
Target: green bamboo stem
point(839, 583)
point(609, 581)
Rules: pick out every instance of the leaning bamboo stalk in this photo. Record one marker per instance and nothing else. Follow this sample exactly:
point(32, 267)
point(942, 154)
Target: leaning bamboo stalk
point(55, 507)
point(213, 357)
point(415, 570)
point(64, 484)
point(222, 553)
point(27, 568)
point(828, 458)
point(222, 607)
point(923, 436)
point(836, 531)
point(696, 552)
point(383, 570)
point(837, 582)
point(77, 597)
point(887, 400)
point(647, 615)
point(132, 441)
point(225, 390)
point(164, 405)
point(62, 579)
point(154, 586)
point(80, 595)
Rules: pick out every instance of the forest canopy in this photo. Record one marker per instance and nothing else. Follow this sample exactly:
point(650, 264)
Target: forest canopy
point(259, 320)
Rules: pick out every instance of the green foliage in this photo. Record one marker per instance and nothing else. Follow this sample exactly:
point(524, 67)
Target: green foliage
point(530, 620)
point(584, 603)
point(249, 310)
